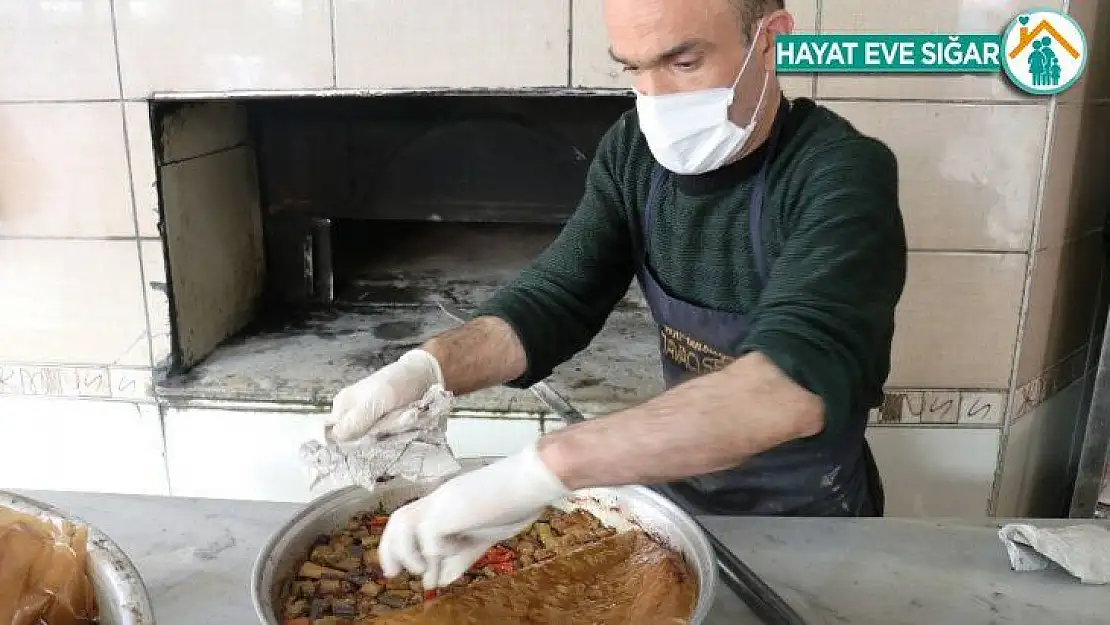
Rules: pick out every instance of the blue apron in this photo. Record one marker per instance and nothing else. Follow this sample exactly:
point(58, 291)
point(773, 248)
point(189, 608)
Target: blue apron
point(821, 476)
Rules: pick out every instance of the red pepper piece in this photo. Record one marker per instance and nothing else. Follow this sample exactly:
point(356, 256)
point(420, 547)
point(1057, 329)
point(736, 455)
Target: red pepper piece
point(499, 555)
point(430, 594)
point(501, 568)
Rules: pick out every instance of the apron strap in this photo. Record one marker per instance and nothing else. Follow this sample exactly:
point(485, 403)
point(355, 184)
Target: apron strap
point(755, 205)
point(659, 176)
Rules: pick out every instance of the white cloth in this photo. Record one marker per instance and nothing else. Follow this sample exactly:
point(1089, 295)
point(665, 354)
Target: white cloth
point(1081, 550)
point(443, 534)
point(418, 452)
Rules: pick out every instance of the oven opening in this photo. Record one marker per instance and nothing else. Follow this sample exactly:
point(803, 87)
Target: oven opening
point(309, 241)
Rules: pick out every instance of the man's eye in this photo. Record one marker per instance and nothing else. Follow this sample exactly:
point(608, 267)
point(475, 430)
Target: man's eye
point(687, 65)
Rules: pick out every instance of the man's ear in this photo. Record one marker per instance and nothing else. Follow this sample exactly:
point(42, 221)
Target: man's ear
point(776, 23)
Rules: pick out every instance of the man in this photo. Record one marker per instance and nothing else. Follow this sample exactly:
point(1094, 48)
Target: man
point(767, 239)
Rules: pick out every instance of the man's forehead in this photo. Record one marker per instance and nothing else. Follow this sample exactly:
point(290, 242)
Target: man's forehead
point(643, 29)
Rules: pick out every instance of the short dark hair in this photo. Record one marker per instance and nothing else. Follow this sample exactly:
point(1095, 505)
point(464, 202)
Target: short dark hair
point(751, 10)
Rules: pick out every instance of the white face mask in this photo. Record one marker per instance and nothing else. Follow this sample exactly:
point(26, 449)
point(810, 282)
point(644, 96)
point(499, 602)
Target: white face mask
point(690, 132)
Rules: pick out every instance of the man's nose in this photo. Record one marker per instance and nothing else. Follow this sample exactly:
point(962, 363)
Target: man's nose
point(654, 83)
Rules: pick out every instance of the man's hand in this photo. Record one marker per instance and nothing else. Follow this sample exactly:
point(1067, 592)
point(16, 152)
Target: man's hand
point(366, 405)
point(443, 534)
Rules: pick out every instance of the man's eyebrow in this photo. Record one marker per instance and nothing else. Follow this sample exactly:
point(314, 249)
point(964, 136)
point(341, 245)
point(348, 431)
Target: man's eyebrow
point(669, 53)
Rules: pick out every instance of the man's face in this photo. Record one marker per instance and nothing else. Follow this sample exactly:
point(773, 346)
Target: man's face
point(670, 46)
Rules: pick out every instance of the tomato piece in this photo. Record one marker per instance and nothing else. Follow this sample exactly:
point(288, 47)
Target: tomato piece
point(379, 521)
point(430, 594)
point(499, 555)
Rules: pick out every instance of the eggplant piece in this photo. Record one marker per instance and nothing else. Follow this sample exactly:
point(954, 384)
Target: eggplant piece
point(393, 599)
point(344, 608)
point(315, 571)
point(400, 582)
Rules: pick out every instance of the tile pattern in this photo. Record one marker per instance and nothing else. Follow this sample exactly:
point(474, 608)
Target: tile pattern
point(76, 382)
point(978, 408)
point(1040, 389)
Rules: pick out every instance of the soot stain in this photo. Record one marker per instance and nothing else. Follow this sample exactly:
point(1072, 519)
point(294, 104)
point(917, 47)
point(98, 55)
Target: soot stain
point(396, 330)
point(380, 358)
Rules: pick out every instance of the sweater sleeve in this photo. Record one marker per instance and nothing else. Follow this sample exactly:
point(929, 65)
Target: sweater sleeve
point(826, 315)
point(561, 301)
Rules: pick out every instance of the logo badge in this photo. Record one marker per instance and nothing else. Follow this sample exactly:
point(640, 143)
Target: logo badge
point(1044, 52)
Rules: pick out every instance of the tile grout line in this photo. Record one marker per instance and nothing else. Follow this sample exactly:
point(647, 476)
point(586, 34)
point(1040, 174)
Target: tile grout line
point(1023, 309)
point(334, 46)
point(570, 43)
point(131, 189)
point(817, 24)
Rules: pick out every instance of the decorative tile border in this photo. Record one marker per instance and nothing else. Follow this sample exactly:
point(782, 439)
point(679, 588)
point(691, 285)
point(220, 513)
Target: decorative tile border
point(1038, 390)
point(79, 382)
point(970, 407)
point(951, 407)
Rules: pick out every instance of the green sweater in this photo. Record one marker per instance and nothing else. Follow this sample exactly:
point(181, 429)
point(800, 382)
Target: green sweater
point(833, 236)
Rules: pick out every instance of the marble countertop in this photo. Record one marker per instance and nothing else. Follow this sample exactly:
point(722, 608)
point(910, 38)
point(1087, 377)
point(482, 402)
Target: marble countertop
point(196, 556)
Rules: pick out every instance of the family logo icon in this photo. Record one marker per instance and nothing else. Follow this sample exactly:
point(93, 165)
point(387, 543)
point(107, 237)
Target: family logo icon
point(1045, 52)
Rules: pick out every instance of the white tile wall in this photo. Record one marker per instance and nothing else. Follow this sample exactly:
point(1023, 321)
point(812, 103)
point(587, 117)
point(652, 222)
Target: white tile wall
point(63, 170)
point(958, 189)
point(936, 472)
point(144, 180)
point(71, 302)
point(40, 42)
point(157, 302)
point(253, 455)
point(451, 43)
point(473, 438)
point(229, 454)
point(213, 45)
point(1037, 458)
point(83, 445)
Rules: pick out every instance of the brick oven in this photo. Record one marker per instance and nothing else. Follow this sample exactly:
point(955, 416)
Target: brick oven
point(326, 235)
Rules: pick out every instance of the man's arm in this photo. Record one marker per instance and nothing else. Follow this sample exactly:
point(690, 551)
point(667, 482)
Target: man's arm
point(707, 424)
point(819, 343)
point(558, 303)
point(484, 352)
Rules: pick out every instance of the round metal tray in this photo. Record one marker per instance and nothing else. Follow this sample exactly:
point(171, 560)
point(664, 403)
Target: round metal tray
point(622, 508)
point(121, 596)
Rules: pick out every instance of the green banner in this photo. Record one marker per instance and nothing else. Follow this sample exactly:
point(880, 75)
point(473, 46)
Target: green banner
point(888, 53)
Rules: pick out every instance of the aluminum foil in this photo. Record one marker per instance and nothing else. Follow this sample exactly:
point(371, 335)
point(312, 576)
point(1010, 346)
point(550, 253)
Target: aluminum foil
point(418, 454)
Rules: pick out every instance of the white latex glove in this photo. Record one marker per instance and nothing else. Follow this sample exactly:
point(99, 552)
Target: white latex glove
point(440, 536)
point(374, 403)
